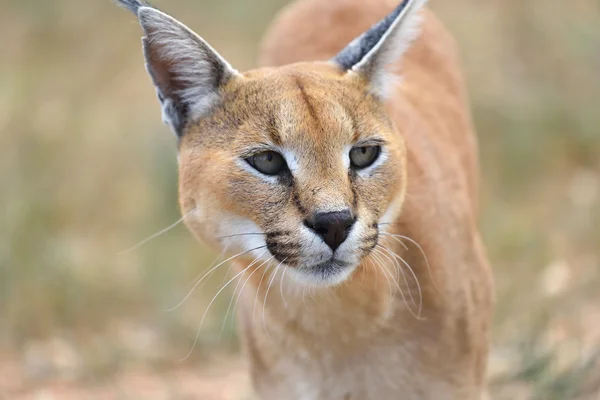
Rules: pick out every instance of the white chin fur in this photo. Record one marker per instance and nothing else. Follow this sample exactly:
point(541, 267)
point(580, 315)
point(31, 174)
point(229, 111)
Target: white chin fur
point(309, 277)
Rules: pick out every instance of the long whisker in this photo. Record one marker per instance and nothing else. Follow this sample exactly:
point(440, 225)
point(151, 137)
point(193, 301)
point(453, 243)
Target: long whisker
point(265, 299)
point(304, 297)
point(398, 240)
point(388, 237)
point(157, 234)
point(234, 294)
point(258, 291)
point(401, 270)
point(310, 293)
point(381, 266)
point(281, 286)
point(397, 236)
point(398, 270)
point(215, 262)
point(240, 234)
point(413, 275)
point(225, 275)
point(264, 263)
point(208, 273)
point(206, 312)
point(371, 262)
point(377, 265)
point(404, 298)
point(223, 252)
point(385, 271)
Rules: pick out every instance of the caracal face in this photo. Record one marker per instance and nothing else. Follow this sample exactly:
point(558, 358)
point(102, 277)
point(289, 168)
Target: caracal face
point(297, 166)
point(335, 155)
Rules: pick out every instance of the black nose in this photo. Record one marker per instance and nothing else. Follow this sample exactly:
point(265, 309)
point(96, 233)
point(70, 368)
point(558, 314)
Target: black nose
point(333, 227)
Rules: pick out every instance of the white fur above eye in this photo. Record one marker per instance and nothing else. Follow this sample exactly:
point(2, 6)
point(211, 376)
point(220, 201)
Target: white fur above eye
point(291, 160)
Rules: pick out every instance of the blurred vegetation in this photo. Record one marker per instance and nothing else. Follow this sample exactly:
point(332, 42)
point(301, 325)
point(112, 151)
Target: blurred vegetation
point(87, 169)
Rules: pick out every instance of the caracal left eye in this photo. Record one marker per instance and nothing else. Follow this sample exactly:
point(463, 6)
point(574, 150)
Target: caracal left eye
point(267, 162)
point(362, 157)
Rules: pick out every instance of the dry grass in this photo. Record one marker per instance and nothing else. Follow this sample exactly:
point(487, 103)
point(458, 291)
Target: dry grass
point(87, 169)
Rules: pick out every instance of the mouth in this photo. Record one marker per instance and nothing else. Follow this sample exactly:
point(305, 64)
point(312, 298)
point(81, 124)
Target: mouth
point(326, 273)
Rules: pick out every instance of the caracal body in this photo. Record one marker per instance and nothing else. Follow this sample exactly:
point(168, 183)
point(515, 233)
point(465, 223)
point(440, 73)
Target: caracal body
point(349, 193)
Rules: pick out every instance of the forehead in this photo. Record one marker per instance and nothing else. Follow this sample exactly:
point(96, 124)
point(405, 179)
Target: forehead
point(302, 107)
point(293, 107)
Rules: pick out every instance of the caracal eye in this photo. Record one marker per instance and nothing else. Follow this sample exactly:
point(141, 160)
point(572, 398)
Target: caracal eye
point(362, 157)
point(267, 162)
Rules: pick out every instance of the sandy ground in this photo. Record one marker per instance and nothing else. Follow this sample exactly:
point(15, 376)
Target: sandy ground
point(228, 381)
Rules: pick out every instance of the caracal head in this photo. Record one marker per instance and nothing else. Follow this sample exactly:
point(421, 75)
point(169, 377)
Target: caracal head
point(296, 166)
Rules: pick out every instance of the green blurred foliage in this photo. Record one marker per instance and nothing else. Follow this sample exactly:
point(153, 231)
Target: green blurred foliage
point(87, 169)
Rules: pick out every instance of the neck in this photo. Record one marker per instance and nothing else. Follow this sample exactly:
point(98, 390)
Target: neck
point(392, 283)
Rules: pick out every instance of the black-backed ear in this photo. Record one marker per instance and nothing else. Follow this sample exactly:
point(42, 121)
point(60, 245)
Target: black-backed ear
point(187, 72)
point(383, 44)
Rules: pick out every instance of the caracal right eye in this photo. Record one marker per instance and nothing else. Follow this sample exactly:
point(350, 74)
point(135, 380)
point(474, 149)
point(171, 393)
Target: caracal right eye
point(267, 162)
point(364, 156)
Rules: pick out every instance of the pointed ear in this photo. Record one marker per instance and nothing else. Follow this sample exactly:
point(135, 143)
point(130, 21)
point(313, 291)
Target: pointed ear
point(372, 52)
point(187, 72)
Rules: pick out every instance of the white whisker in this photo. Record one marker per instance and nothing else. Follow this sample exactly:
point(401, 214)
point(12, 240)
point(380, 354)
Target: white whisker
point(258, 291)
point(157, 234)
point(235, 291)
point(310, 293)
point(281, 286)
point(403, 297)
point(207, 273)
point(371, 261)
point(393, 234)
point(397, 236)
point(420, 305)
point(240, 234)
point(304, 297)
point(400, 269)
point(264, 263)
point(265, 299)
point(225, 275)
point(206, 312)
point(381, 265)
point(394, 254)
point(215, 262)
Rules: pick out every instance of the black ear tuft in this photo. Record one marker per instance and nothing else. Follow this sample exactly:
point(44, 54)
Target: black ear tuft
point(187, 73)
point(358, 49)
point(370, 54)
point(132, 5)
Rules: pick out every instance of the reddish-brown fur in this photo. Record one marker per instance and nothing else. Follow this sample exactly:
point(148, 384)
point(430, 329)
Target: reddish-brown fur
point(365, 338)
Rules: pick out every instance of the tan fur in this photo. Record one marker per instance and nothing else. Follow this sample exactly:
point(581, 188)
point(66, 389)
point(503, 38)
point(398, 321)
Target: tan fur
point(382, 333)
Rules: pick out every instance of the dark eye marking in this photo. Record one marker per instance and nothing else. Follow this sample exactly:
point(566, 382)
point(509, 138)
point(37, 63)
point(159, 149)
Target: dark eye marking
point(298, 203)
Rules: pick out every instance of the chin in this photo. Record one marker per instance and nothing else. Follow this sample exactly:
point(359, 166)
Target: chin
point(326, 274)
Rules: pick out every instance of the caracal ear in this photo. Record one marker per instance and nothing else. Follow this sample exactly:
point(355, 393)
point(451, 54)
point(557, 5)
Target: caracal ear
point(187, 72)
point(383, 44)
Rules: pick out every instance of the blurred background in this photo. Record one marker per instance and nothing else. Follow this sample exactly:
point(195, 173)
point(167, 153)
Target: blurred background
point(87, 170)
